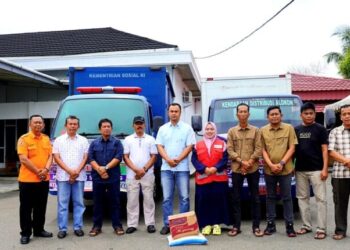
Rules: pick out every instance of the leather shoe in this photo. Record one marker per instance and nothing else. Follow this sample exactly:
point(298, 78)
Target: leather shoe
point(165, 230)
point(79, 232)
point(61, 234)
point(151, 229)
point(43, 234)
point(130, 230)
point(25, 239)
point(94, 232)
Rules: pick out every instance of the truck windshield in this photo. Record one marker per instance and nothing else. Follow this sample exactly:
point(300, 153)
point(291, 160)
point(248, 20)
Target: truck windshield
point(90, 111)
point(223, 112)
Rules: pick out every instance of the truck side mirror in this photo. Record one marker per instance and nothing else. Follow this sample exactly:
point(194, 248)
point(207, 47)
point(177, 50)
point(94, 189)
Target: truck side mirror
point(158, 121)
point(196, 121)
point(329, 118)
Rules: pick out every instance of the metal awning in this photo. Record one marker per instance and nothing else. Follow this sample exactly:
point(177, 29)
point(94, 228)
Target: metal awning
point(14, 73)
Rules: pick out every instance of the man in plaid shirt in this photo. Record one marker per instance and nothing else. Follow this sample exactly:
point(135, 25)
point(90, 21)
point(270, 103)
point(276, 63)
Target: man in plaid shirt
point(339, 149)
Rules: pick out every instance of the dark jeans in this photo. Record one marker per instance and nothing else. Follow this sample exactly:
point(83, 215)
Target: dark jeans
point(284, 184)
point(341, 192)
point(111, 191)
point(253, 184)
point(32, 209)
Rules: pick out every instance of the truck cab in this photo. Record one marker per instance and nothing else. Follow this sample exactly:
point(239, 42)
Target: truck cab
point(118, 94)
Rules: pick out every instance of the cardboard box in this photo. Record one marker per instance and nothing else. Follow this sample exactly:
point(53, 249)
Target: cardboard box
point(184, 224)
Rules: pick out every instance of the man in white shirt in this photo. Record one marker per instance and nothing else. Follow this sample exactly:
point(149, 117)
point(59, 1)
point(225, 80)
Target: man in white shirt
point(139, 155)
point(70, 152)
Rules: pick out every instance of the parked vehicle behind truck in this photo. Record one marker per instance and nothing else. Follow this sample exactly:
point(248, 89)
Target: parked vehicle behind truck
point(118, 94)
point(221, 96)
point(332, 113)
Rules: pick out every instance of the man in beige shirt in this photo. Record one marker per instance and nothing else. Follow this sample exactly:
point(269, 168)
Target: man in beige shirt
point(244, 149)
point(278, 142)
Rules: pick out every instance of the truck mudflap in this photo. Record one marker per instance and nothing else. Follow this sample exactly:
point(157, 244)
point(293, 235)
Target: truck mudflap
point(88, 182)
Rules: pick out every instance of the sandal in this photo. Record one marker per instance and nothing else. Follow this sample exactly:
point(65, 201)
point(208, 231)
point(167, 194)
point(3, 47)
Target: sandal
point(94, 232)
point(206, 230)
point(338, 236)
point(304, 230)
point(257, 232)
point(320, 235)
point(216, 230)
point(119, 231)
point(234, 232)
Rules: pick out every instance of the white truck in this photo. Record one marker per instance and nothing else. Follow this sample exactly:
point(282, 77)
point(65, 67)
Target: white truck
point(220, 97)
point(242, 89)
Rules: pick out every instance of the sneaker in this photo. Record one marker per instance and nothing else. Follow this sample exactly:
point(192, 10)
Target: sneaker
point(290, 230)
point(165, 230)
point(270, 228)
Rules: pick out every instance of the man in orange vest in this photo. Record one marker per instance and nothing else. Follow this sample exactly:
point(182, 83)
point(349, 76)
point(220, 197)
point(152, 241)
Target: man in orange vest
point(244, 149)
point(34, 151)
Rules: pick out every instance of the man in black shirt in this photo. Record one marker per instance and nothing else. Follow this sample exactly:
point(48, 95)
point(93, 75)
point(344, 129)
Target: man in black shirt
point(311, 166)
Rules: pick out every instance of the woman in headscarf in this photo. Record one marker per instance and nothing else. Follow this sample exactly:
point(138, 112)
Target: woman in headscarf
point(209, 157)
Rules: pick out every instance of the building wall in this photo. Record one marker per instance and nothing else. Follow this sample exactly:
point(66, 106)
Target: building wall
point(188, 108)
point(23, 110)
point(16, 93)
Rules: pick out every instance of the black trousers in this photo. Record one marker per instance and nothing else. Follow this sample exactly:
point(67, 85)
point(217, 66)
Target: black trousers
point(253, 184)
point(111, 191)
point(32, 210)
point(341, 193)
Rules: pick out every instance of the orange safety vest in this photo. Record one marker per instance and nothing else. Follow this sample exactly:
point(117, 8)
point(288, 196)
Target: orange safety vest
point(216, 154)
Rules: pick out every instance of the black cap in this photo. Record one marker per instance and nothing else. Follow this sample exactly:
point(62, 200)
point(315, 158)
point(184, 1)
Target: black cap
point(139, 119)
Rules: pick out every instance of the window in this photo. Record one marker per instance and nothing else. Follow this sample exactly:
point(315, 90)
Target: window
point(224, 112)
point(91, 111)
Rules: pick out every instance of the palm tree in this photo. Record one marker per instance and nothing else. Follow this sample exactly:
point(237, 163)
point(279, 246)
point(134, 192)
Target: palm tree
point(344, 34)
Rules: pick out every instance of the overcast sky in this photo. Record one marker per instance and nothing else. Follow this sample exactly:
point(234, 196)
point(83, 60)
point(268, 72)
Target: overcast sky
point(297, 38)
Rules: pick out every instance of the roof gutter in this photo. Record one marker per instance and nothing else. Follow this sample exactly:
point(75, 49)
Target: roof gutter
point(23, 71)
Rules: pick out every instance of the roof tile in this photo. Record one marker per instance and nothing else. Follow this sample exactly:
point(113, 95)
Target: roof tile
point(318, 83)
point(73, 42)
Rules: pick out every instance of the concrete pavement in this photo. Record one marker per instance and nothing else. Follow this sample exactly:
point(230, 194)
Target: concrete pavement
point(8, 184)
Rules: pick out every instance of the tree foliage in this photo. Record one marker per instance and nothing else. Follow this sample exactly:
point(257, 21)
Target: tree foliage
point(344, 65)
point(342, 59)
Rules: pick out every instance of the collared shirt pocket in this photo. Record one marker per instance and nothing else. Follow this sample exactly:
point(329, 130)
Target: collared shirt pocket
point(32, 150)
point(249, 144)
point(98, 152)
point(282, 142)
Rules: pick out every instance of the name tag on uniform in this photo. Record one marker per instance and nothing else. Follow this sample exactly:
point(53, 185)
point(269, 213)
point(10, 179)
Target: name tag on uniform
point(217, 146)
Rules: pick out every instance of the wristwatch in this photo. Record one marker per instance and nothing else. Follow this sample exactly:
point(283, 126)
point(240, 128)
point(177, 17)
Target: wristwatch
point(283, 163)
point(144, 168)
point(106, 167)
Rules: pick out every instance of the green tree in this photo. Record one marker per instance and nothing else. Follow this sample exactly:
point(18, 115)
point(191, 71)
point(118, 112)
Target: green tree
point(342, 59)
point(344, 65)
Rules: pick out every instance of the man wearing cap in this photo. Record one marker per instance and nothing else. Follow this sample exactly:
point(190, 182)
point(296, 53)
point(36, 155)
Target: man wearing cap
point(175, 141)
point(139, 155)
